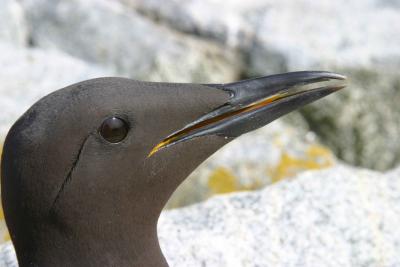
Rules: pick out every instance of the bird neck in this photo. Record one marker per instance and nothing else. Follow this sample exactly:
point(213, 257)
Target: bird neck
point(86, 230)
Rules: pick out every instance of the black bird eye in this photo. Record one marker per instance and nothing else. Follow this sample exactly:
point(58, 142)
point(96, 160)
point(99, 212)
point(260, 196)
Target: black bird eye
point(114, 129)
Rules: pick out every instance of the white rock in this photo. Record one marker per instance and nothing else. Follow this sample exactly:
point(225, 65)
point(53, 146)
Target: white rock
point(337, 217)
point(28, 74)
point(106, 32)
point(13, 26)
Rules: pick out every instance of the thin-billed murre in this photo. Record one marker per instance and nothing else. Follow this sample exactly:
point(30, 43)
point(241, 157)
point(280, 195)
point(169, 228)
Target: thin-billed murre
point(87, 170)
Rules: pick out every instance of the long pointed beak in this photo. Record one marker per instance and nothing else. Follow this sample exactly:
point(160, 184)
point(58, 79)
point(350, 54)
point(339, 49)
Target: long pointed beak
point(256, 102)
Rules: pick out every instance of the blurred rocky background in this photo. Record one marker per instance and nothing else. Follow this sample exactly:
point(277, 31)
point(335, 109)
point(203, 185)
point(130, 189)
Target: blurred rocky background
point(342, 216)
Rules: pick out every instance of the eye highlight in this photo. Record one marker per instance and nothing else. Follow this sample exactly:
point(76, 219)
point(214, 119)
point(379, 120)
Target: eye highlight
point(114, 129)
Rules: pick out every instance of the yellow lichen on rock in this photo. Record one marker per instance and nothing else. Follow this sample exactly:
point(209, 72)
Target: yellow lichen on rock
point(3, 229)
point(223, 181)
point(315, 157)
point(1, 214)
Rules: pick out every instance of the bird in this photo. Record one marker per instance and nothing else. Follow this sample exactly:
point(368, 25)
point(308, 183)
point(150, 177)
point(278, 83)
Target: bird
point(87, 170)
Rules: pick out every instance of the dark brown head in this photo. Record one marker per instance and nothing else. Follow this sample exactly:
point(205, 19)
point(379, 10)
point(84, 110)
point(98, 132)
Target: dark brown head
point(87, 170)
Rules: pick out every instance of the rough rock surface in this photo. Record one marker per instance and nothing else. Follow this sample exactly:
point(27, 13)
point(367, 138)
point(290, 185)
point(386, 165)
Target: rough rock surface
point(337, 217)
point(13, 26)
point(106, 32)
point(30, 74)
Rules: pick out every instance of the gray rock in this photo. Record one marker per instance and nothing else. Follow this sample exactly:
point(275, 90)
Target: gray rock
point(337, 217)
point(106, 32)
point(361, 123)
point(30, 74)
point(13, 26)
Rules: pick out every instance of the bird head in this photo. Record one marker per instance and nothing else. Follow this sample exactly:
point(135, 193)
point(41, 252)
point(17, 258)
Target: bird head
point(108, 153)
